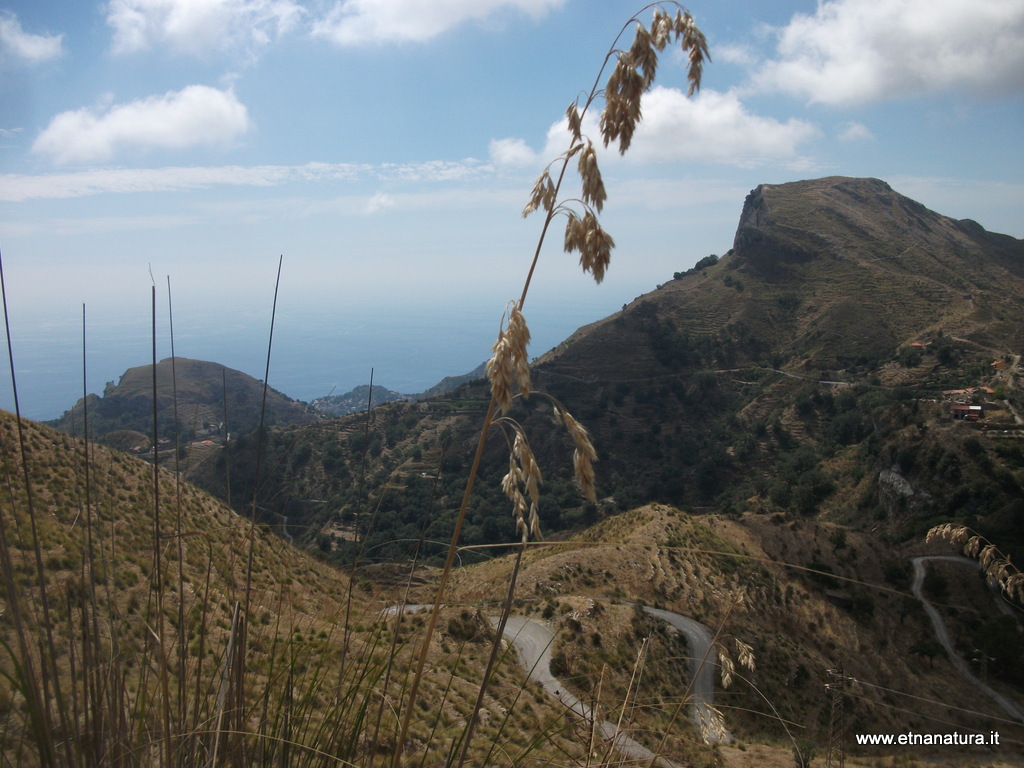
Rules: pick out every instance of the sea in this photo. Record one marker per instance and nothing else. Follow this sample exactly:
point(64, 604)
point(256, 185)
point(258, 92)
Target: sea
point(313, 351)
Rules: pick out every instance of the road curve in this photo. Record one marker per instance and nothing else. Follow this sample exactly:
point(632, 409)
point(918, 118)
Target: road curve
point(943, 634)
point(702, 670)
point(533, 641)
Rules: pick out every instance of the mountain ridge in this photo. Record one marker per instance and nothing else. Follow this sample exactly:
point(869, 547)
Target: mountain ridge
point(822, 229)
point(788, 375)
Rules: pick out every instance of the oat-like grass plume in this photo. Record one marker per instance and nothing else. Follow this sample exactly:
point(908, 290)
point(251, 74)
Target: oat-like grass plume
point(508, 368)
point(996, 566)
point(633, 70)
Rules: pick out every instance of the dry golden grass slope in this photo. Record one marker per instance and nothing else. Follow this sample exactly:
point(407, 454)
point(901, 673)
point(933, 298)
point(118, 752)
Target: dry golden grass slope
point(221, 644)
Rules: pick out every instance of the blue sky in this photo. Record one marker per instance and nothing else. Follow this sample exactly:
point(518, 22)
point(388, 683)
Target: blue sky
point(387, 147)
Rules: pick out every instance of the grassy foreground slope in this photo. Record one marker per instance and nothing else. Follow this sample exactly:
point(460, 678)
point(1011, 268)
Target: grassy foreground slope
point(146, 623)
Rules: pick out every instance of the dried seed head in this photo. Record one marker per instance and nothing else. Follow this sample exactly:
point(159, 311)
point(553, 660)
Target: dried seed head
point(519, 337)
point(973, 546)
point(745, 654)
point(644, 55)
point(995, 565)
point(661, 29)
point(521, 513)
point(597, 251)
point(508, 370)
point(635, 70)
point(1013, 587)
point(593, 243)
point(712, 725)
point(622, 103)
point(510, 482)
point(695, 45)
point(583, 467)
point(499, 373)
point(584, 455)
point(510, 486)
point(573, 232)
point(523, 474)
point(542, 195)
point(1000, 571)
point(572, 114)
point(579, 435)
point(989, 555)
point(594, 193)
point(727, 668)
point(615, 123)
point(534, 522)
point(531, 476)
point(951, 532)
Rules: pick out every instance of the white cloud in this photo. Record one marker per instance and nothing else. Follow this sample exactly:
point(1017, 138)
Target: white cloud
point(712, 127)
point(741, 55)
point(512, 153)
point(431, 170)
point(857, 51)
point(22, 187)
point(854, 131)
point(356, 22)
point(19, 44)
point(379, 201)
point(197, 115)
point(199, 26)
point(19, 187)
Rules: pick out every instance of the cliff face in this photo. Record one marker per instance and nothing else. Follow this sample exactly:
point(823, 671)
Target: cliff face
point(863, 219)
point(828, 274)
point(855, 251)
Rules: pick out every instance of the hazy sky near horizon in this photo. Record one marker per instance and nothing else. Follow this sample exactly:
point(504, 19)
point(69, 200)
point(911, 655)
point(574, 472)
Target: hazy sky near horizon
point(386, 148)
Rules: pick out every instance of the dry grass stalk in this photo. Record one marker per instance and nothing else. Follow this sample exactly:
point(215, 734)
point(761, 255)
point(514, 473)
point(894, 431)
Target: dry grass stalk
point(521, 482)
point(632, 75)
point(996, 566)
point(744, 654)
point(583, 456)
point(712, 726)
point(508, 369)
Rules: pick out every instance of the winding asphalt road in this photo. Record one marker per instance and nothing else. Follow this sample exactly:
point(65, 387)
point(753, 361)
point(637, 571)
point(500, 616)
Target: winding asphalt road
point(943, 634)
point(533, 641)
point(702, 671)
